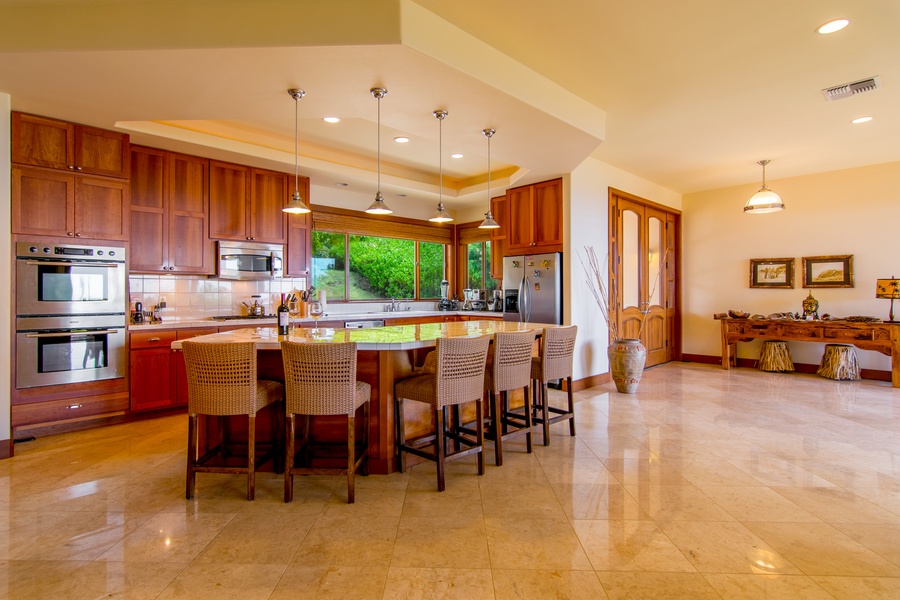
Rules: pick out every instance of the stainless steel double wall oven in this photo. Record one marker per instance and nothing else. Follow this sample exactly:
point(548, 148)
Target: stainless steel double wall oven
point(70, 313)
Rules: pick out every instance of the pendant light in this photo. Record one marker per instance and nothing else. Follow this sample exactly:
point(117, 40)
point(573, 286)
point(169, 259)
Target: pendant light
point(489, 222)
point(379, 207)
point(296, 206)
point(441, 215)
point(765, 200)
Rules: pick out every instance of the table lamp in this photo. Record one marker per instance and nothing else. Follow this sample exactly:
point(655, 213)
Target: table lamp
point(888, 288)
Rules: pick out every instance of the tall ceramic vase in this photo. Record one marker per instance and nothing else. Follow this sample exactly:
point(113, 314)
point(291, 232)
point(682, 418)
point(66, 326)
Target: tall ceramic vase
point(626, 363)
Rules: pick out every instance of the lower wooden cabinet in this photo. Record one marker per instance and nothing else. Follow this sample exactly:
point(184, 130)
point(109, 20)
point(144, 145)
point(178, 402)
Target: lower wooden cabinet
point(151, 370)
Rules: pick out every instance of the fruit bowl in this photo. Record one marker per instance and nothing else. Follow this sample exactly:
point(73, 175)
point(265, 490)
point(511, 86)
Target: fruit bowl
point(738, 314)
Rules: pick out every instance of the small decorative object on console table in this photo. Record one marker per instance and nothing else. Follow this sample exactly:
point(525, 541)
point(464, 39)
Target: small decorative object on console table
point(888, 288)
point(810, 308)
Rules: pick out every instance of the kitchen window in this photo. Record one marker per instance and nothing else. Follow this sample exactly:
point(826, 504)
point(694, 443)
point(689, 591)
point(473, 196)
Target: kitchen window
point(366, 267)
point(478, 267)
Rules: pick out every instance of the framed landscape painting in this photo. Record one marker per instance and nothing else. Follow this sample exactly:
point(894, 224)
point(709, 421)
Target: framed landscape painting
point(772, 272)
point(828, 271)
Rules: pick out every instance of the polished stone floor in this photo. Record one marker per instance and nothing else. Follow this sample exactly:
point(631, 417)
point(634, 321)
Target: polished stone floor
point(705, 484)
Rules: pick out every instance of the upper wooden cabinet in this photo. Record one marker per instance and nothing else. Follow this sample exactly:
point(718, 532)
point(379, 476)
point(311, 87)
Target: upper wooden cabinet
point(169, 204)
point(245, 203)
point(57, 144)
point(299, 238)
point(51, 203)
point(498, 236)
point(535, 218)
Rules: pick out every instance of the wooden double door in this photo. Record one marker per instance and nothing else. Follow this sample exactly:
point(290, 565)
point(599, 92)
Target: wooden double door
point(643, 274)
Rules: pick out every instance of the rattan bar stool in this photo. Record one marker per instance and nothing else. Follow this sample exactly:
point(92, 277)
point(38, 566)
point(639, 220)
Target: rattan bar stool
point(320, 380)
point(509, 369)
point(222, 382)
point(554, 362)
point(458, 379)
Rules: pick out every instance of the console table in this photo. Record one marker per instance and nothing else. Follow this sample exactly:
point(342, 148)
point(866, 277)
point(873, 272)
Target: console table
point(878, 336)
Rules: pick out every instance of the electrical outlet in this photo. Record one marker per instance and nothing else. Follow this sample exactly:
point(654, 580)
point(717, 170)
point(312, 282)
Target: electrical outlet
point(162, 301)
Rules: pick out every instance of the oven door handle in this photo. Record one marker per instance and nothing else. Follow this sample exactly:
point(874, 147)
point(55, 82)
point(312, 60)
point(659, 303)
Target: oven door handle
point(52, 263)
point(71, 333)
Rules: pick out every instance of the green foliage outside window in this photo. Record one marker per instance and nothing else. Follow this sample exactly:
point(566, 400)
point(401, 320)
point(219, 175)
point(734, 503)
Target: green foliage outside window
point(378, 267)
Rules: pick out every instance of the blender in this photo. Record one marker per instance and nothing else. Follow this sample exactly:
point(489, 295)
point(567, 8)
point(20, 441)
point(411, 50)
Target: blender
point(445, 304)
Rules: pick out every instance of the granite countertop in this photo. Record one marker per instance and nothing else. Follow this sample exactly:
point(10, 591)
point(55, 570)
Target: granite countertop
point(389, 337)
point(268, 321)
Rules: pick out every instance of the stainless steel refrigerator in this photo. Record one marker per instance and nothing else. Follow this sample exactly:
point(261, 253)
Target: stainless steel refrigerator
point(532, 288)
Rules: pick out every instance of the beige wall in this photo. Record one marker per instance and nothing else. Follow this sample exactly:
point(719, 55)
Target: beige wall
point(853, 211)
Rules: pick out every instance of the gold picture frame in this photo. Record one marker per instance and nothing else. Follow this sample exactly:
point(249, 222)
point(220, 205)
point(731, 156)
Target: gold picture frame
point(828, 271)
point(772, 273)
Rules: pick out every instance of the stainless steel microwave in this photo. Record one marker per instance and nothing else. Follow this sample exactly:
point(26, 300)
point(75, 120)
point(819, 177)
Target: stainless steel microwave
point(247, 260)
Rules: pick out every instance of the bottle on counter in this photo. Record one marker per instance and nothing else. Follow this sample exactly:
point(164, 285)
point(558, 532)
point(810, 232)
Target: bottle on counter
point(284, 318)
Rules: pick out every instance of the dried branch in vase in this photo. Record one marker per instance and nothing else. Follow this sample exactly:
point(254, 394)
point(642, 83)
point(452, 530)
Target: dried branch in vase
point(598, 287)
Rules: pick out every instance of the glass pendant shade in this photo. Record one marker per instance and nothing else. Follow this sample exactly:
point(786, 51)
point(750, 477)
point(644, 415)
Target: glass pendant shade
point(379, 207)
point(296, 206)
point(440, 216)
point(765, 200)
point(489, 222)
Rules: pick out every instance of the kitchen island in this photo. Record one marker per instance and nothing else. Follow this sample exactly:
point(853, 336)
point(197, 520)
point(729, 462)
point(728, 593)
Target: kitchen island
point(385, 355)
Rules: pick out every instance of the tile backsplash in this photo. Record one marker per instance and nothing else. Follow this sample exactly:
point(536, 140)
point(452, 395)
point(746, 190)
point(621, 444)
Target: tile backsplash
point(197, 297)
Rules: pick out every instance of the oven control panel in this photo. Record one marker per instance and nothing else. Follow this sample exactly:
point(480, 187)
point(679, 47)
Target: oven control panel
point(30, 249)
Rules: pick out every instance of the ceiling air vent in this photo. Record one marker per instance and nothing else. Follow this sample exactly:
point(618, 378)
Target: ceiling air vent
point(851, 89)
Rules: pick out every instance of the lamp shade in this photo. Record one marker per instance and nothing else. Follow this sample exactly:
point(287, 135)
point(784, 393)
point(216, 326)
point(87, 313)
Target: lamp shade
point(765, 200)
point(888, 288)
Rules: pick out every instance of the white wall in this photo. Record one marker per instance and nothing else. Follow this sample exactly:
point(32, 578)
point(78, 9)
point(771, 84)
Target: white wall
point(587, 218)
point(5, 259)
point(852, 211)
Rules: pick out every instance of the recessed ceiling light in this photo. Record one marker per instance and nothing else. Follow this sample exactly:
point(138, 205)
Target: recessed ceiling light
point(457, 155)
point(401, 195)
point(401, 139)
point(832, 26)
point(341, 184)
point(859, 120)
point(332, 119)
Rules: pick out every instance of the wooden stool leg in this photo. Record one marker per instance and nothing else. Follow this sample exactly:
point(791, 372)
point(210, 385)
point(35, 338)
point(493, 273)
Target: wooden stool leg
point(528, 421)
point(401, 435)
point(251, 458)
point(479, 428)
point(289, 458)
point(351, 459)
point(439, 446)
point(571, 406)
point(545, 411)
point(193, 443)
point(496, 428)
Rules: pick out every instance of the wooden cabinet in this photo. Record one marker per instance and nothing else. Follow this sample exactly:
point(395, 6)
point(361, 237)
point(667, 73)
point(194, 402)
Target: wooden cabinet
point(55, 144)
point(535, 218)
point(498, 236)
point(245, 204)
point(151, 370)
point(46, 202)
point(299, 239)
point(169, 211)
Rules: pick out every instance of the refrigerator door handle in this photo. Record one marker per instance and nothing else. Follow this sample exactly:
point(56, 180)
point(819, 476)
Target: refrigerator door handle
point(528, 300)
point(523, 301)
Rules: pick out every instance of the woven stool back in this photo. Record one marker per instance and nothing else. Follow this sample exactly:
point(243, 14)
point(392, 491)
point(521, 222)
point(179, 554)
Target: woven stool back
point(511, 368)
point(459, 376)
point(320, 379)
point(557, 350)
point(221, 378)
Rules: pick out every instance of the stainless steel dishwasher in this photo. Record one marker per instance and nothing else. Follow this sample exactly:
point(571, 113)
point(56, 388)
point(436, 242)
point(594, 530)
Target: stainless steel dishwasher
point(363, 324)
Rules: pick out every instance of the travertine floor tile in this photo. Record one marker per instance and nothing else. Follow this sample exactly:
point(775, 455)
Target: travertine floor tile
point(574, 585)
point(780, 587)
point(405, 583)
point(630, 546)
point(644, 585)
point(534, 544)
point(331, 583)
point(455, 542)
point(348, 540)
point(854, 588)
point(215, 581)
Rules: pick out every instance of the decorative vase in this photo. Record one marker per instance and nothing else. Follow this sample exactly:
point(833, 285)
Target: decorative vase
point(626, 364)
